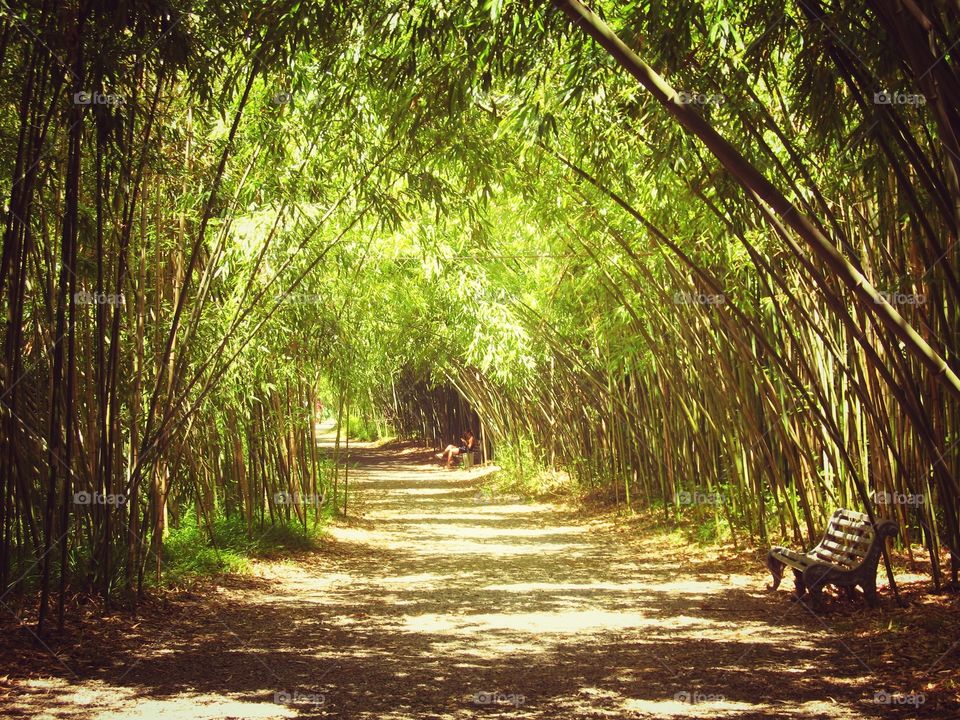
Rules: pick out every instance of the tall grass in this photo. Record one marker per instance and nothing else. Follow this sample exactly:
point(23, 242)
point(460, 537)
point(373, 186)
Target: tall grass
point(365, 429)
point(193, 550)
point(523, 470)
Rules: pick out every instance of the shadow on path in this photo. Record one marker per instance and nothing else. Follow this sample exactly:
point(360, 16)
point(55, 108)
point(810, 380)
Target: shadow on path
point(437, 603)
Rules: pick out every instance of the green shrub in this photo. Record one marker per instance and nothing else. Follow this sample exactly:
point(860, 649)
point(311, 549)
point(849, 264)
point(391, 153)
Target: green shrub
point(189, 551)
point(364, 429)
point(524, 471)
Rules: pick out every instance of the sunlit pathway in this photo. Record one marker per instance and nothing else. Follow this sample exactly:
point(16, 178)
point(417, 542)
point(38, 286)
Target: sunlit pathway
point(436, 603)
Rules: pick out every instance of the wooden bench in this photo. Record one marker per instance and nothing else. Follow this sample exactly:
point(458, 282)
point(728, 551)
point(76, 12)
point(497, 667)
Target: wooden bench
point(847, 556)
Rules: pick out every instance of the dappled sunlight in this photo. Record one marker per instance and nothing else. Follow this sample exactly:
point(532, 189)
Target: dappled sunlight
point(449, 548)
point(200, 707)
point(430, 602)
point(532, 587)
point(111, 702)
point(481, 532)
point(420, 580)
point(478, 513)
point(681, 708)
point(424, 491)
point(543, 623)
point(395, 360)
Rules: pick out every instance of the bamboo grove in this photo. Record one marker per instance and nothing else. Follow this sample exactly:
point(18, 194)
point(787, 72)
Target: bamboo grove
point(704, 251)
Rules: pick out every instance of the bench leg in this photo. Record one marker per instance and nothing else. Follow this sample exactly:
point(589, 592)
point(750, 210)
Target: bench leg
point(776, 570)
point(816, 597)
point(815, 577)
point(870, 592)
point(799, 584)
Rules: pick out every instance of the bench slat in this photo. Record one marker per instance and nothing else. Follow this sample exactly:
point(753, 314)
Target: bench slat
point(850, 539)
point(853, 515)
point(828, 556)
point(850, 528)
point(842, 549)
point(847, 526)
point(854, 542)
point(854, 526)
point(792, 557)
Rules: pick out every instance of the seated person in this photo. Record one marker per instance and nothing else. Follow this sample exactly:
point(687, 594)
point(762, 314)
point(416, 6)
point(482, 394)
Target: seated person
point(468, 443)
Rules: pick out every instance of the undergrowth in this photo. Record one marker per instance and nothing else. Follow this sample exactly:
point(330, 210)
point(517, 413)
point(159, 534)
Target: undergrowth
point(193, 549)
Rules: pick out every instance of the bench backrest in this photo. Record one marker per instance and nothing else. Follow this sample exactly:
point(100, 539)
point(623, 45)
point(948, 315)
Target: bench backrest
point(847, 540)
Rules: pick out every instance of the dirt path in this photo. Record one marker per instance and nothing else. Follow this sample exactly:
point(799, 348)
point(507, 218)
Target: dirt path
point(437, 604)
